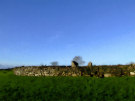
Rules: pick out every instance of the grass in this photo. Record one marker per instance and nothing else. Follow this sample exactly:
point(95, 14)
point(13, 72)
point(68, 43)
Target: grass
point(22, 88)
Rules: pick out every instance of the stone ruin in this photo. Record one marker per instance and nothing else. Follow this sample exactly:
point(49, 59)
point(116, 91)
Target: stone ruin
point(90, 64)
point(49, 70)
point(75, 70)
point(74, 64)
point(46, 71)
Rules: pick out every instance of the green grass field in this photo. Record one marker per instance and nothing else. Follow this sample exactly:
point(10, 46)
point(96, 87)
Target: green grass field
point(20, 88)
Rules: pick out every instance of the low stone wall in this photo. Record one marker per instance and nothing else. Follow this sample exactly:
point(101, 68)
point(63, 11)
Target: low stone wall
point(47, 71)
point(96, 71)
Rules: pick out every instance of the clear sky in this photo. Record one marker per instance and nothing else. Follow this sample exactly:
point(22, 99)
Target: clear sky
point(34, 32)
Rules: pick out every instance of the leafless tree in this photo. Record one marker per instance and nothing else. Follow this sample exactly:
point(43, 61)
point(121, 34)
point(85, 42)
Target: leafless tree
point(79, 60)
point(54, 63)
point(131, 63)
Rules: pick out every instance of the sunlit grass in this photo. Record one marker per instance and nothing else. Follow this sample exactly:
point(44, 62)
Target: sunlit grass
point(23, 88)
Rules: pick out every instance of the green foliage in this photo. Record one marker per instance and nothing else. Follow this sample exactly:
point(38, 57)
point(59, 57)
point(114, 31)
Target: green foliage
point(22, 88)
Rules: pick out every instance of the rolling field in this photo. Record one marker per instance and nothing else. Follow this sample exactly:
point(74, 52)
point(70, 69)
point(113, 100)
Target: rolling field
point(22, 88)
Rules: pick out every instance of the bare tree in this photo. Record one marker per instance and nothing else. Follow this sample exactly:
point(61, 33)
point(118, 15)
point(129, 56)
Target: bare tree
point(54, 63)
point(131, 63)
point(79, 60)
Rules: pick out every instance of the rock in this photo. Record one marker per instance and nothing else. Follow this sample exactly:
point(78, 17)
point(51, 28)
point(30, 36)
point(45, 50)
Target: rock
point(107, 75)
point(132, 73)
point(74, 64)
point(90, 64)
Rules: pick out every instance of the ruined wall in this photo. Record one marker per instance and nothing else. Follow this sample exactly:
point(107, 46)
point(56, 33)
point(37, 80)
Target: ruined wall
point(97, 71)
point(46, 71)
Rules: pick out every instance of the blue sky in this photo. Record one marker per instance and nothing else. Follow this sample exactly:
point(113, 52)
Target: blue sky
point(34, 32)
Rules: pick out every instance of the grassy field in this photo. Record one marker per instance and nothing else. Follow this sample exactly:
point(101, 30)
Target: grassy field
point(18, 88)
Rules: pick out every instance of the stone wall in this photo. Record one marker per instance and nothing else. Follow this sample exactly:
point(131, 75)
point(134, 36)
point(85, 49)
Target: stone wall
point(47, 71)
point(97, 71)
